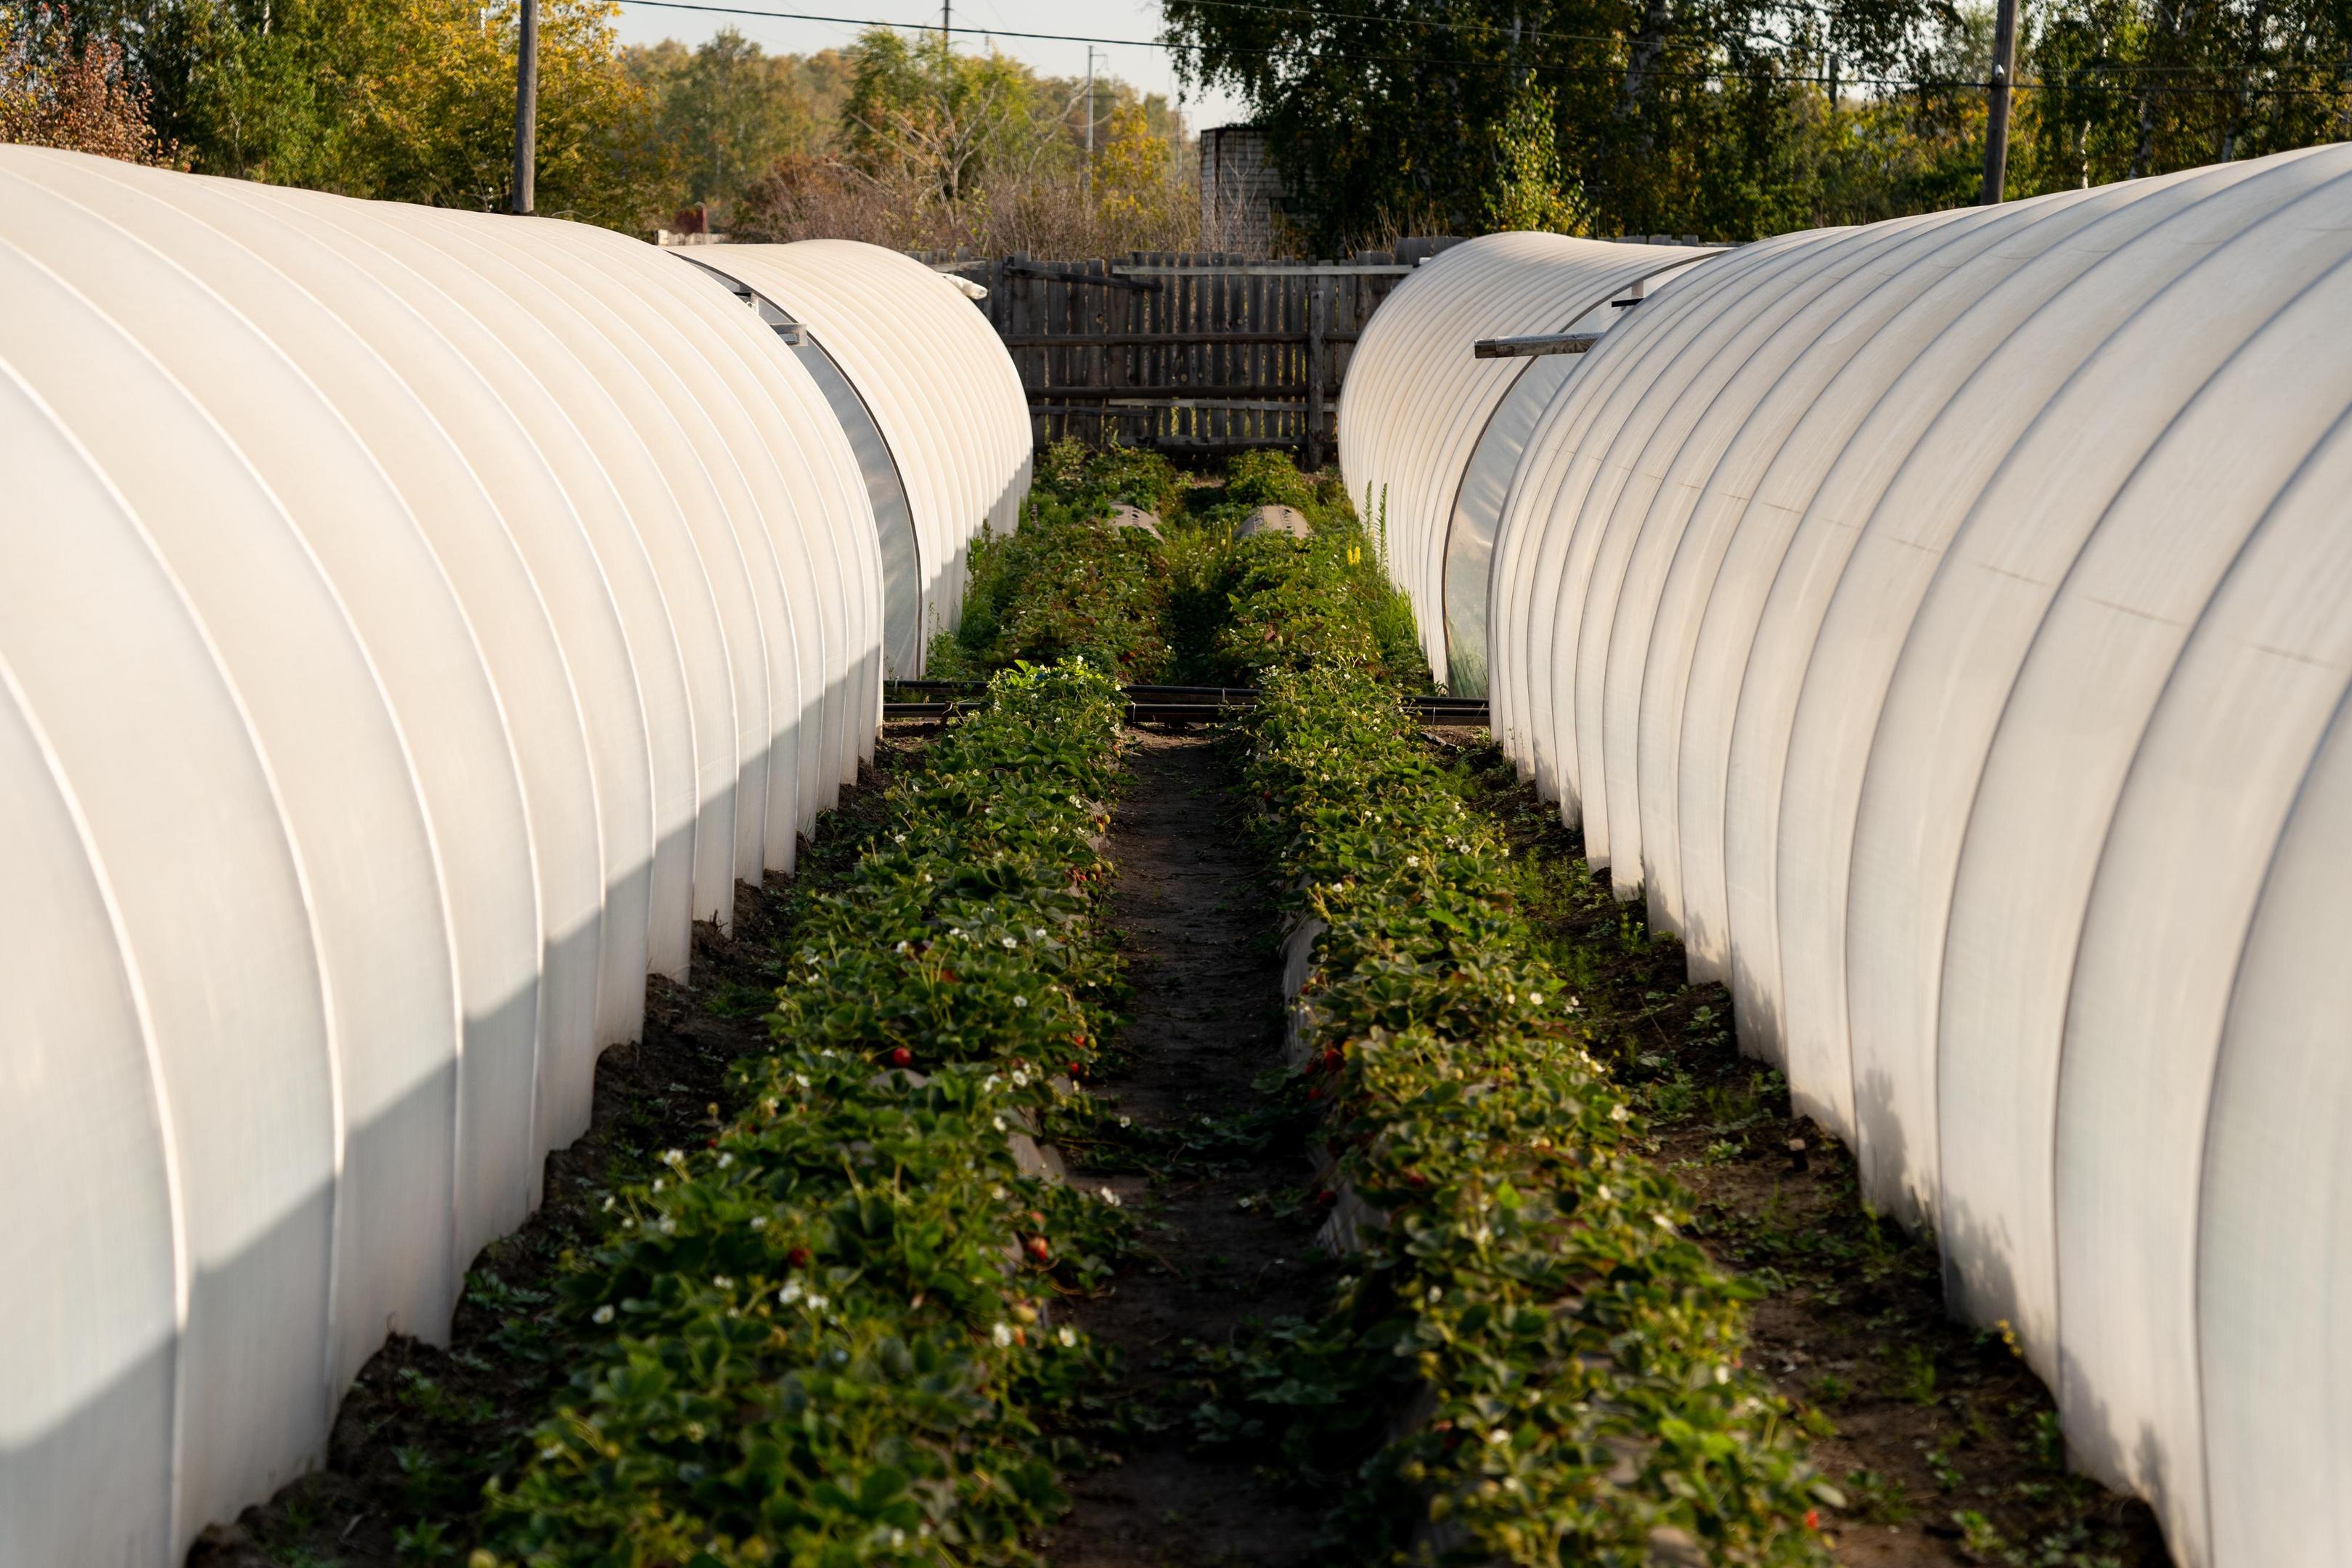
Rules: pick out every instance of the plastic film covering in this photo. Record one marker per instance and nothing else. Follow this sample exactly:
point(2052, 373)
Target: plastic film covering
point(1417, 406)
point(1943, 625)
point(939, 389)
point(410, 622)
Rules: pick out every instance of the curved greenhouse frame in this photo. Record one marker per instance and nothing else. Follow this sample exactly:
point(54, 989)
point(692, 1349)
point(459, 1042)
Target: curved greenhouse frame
point(1429, 435)
point(411, 621)
point(933, 380)
point(1943, 624)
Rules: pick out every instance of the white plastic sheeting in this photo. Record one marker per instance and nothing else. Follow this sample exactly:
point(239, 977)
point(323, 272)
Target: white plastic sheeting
point(410, 621)
point(1420, 435)
point(939, 385)
point(1947, 626)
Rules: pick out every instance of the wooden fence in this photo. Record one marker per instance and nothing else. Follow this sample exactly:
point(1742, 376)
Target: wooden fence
point(1187, 352)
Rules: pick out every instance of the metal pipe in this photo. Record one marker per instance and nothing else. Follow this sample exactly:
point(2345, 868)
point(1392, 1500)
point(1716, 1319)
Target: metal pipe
point(1540, 343)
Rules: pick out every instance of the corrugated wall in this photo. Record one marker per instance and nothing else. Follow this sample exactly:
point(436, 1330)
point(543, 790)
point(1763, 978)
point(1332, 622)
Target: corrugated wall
point(1945, 625)
point(411, 621)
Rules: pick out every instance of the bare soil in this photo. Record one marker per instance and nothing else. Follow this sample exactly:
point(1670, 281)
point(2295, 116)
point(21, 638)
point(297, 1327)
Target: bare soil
point(1205, 1019)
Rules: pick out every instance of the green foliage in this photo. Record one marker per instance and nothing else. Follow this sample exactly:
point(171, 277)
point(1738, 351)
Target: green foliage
point(2124, 88)
point(1718, 117)
point(1527, 190)
point(1194, 604)
point(727, 110)
point(1521, 1261)
point(397, 99)
point(1082, 479)
point(1289, 603)
point(1670, 118)
point(827, 1337)
point(925, 119)
point(897, 141)
point(1066, 583)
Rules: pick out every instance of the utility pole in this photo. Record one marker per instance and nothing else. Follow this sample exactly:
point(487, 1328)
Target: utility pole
point(526, 140)
point(2004, 66)
point(1086, 174)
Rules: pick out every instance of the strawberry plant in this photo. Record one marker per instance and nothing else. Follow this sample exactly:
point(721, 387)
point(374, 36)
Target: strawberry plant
point(829, 1337)
point(1066, 583)
point(1519, 1277)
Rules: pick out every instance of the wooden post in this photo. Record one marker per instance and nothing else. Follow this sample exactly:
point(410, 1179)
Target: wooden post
point(1315, 327)
point(525, 135)
point(2004, 66)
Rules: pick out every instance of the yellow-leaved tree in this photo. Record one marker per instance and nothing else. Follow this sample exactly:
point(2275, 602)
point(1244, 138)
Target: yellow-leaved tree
point(1527, 191)
point(59, 91)
point(1140, 194)
point(427, 111)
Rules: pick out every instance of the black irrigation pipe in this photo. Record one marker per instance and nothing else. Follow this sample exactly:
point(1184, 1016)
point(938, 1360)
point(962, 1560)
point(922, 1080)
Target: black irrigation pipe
point(1155, 704)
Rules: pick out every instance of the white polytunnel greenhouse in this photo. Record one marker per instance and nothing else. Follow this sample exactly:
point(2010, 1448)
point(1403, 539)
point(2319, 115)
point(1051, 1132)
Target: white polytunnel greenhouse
point(931, 401)
point(1429, 435)
point(411, 622)
point(1946, 626)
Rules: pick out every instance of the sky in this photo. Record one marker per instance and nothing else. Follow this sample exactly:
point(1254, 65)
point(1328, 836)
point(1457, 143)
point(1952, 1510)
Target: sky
point(1147, 67)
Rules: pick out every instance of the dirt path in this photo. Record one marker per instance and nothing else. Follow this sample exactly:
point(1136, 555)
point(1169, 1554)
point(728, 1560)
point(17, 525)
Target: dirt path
point(1206, 1021)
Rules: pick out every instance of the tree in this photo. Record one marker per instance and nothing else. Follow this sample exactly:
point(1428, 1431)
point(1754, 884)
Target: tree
point(1138, 194)
point(2121, 89)
point(1670, 115)
point(725, 111)
point(1732, 119)
point(401, 99)
point(74, 95)
point(931, 124)
point(1526, 192)
point(936, 148)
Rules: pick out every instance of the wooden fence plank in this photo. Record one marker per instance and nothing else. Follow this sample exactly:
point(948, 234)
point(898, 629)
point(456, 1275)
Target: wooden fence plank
point(1199, 353)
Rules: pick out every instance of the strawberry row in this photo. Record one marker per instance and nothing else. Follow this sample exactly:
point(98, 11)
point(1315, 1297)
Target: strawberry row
point(1574, 1362)
point(826, 1336)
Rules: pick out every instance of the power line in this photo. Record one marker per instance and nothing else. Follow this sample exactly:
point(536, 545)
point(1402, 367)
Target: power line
point(1792, 78)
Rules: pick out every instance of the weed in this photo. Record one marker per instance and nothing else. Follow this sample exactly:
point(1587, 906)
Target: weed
point(1914, 1376)
point(1876, 1498)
